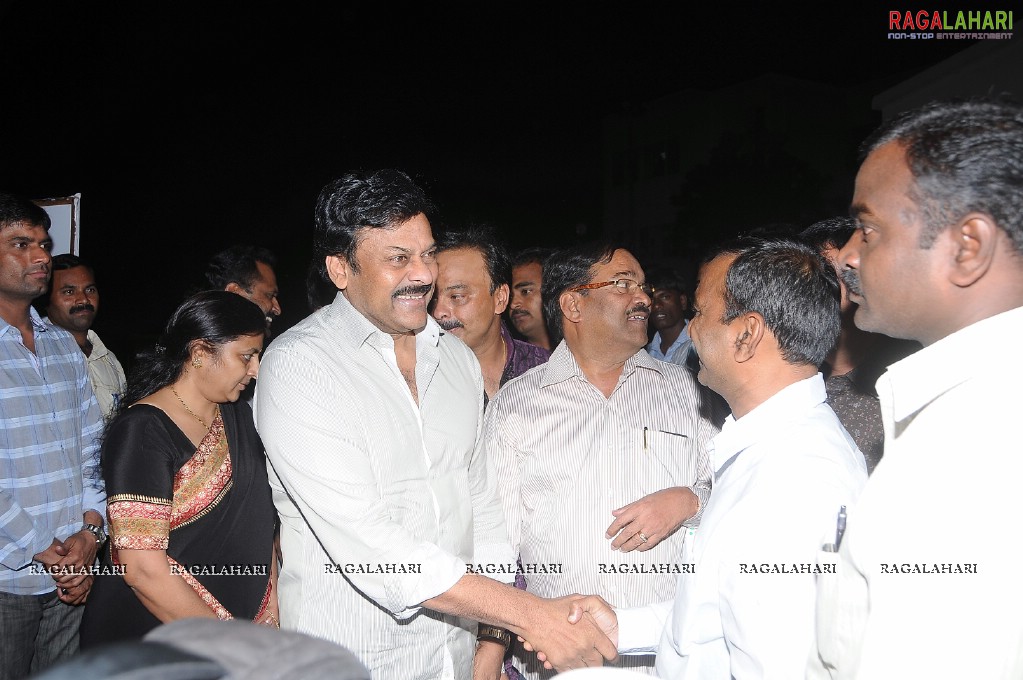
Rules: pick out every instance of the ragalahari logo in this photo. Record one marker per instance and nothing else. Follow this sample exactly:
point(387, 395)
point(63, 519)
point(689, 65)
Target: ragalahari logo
point(949, 25)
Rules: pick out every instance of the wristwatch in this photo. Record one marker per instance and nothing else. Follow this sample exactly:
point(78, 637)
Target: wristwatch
point(494, 634)
point(96, 531)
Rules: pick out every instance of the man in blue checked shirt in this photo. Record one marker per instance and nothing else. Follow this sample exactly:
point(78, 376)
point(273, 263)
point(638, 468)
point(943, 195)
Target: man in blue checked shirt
point(51, 494)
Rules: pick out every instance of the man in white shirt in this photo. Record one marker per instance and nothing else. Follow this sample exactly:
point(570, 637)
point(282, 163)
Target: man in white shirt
point(371, 416)
point(766, 314)
point(72, 303)
point(928, 581)
point(604, 430)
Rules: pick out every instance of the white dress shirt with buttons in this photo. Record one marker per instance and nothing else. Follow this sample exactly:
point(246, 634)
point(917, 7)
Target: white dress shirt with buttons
point(928, 582)
point(782, 472)
point(383, 502)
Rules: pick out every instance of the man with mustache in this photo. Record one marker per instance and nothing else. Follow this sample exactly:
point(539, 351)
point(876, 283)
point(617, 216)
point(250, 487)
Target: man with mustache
point(472, 294)
point(52, 498)
point(525, 310)
point(72, 303)
point(372, 416)
point(766, 312)
point(927, 581)
point(248, 271)
point(600, 451)
point(669, 312)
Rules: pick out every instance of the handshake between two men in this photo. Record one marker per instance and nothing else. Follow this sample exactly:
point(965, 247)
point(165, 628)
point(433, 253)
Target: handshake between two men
point(588, 611)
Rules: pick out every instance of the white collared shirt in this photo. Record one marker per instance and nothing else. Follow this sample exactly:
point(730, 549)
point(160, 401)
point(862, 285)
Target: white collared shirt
point(928, 582)
point(365, 479)
point(782, 472)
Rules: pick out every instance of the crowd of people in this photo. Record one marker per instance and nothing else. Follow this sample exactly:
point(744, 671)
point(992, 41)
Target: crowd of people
point(471, 463)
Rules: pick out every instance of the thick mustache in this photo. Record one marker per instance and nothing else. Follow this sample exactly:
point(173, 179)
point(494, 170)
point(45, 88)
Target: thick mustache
point(851, 278)
point(520, 312)
point(639, 308)
point(81, 308)
point(450, 324)
point(413, 290)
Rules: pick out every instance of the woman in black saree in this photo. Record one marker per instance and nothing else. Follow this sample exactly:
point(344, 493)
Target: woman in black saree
point(188, 503)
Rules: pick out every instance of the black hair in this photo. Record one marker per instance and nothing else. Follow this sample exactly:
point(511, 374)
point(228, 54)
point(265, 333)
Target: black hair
point(965, 156)
point(566, 269)
point(383, 200)
point(666, 278)
point(59, 263)
point(531, 255)
point(482, 238)
point(832, 233)
point(792, 286)
point(319, 290)
point(237, 264)
point(15, 209)
point(211, 318)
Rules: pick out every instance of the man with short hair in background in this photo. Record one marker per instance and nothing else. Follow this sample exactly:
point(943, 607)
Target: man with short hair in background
point(72, 303)
point(248, 271)
point(525, 309)
point(472, 294)
point(669, 310)
point(52, 497)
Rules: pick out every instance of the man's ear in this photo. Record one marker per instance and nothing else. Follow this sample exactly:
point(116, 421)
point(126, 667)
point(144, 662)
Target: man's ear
point(234, 287)
point(974, 243)
point(569, 303)
point(337, 270)
point(501, 296)
point(751, 328)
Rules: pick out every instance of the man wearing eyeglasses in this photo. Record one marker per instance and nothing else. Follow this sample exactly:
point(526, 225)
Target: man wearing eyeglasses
point(600, 450)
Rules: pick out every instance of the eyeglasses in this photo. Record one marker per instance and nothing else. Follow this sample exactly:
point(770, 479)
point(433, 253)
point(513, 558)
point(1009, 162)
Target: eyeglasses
point(624, 286)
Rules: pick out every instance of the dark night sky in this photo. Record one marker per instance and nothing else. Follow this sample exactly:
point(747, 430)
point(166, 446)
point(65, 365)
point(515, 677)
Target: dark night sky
point(188, 127)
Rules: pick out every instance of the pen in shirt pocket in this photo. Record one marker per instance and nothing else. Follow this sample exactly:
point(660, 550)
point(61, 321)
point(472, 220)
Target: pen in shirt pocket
point(839, 532)
point(646, 436)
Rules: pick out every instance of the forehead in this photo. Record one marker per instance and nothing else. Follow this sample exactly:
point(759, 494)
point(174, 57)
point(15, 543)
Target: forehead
point(21, 229)
point(413, 235)
point(712, 277)
point(667, 293)
point(622, 264)
point(245, 343)
point(462, 263)
point(266, 274)
point(529, 271)
point(73, 276)
point(883, 177)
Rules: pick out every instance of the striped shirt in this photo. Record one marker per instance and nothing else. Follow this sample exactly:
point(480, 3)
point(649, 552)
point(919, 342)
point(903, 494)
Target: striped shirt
point(383, 502)
point(566, 456)
point(50, 425)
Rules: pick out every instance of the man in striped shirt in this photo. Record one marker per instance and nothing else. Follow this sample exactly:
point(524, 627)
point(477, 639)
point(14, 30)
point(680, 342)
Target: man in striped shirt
point(51, 498)
point(600, 451)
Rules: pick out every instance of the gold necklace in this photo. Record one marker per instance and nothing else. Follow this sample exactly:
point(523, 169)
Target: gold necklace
point(192, 413)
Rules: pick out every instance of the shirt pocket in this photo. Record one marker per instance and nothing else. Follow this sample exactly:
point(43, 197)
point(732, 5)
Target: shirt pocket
point(827, 612)
point(668, 459)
